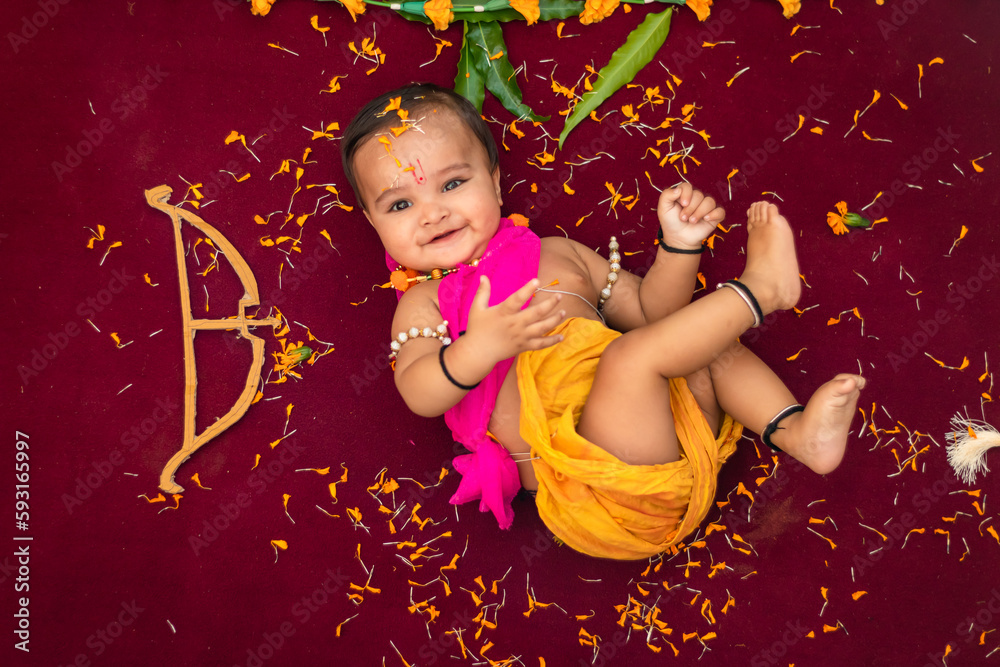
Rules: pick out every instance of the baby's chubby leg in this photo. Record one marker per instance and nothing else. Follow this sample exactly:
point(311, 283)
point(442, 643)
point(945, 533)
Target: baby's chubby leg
point(818, 436)
point(692, 337)
point(752, 394)
point(628, 412)
point(750, 391)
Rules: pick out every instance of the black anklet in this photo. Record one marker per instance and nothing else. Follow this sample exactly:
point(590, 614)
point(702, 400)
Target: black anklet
point(677, 251)
point(748, 297)
point(452, 380)
point(772, 426)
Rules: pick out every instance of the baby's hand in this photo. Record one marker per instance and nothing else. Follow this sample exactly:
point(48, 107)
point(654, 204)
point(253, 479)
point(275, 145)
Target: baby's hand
point(505, 330)
point(687, 216)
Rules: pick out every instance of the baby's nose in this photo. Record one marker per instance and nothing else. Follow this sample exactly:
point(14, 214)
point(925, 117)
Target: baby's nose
point(433, 212)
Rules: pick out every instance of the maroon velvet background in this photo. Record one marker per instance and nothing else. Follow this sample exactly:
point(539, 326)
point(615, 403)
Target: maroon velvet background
point(95, 550)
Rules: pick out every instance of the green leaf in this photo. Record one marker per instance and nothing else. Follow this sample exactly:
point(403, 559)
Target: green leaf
point(640, 47)
point(469, 82)
point(856, 220)
point(485, 42)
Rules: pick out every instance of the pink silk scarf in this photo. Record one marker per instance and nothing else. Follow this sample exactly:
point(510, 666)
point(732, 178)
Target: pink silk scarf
point(489, 474)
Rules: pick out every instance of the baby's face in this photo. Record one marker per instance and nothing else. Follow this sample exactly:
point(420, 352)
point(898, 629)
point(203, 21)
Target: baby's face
point(429, 192)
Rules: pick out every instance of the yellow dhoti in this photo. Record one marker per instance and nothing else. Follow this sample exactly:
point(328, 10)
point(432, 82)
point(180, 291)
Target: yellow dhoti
point(588, 498)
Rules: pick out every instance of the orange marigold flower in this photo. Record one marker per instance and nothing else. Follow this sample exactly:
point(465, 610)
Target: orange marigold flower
point(528, 9)
point(700, 7)
point(597, 10)
point(836, 221)
point(439, 12)
point(791, 7)
point(355, 7)
point(260, 7)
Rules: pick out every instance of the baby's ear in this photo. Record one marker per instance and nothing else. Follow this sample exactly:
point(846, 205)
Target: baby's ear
point(496, 185)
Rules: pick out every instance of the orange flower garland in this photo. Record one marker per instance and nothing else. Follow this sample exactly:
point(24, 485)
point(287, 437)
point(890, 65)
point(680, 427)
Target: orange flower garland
point(528, 9)
point(594, 11)
point(260, 7)
point(791, 7)
point(439, 11)
point(700, 7)
point(355, 7)
point(597, 10)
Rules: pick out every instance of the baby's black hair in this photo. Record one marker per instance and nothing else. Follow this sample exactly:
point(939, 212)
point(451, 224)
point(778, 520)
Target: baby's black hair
point(414, 98)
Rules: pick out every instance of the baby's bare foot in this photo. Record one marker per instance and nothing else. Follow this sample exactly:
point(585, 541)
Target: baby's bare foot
point(772, 272)
point(818, 436)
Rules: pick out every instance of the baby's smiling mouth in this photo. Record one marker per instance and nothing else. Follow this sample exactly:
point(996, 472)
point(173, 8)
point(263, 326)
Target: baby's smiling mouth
point(444, 236)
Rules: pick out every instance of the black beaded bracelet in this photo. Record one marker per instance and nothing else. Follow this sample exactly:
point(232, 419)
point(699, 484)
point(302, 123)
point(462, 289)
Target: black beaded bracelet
point(452, 380)
point(679, 251)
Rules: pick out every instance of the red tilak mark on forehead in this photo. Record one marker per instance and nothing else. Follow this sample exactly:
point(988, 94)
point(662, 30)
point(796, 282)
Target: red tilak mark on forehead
point(419, 177)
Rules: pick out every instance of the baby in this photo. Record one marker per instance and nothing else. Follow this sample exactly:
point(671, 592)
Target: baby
point(614, 398)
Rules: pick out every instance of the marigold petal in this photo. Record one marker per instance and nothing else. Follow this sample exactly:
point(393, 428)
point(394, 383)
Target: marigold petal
point(355, 7)
point(701, 8)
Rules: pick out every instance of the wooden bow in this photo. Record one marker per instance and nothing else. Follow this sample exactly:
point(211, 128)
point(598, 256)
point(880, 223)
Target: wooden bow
point(157, 198)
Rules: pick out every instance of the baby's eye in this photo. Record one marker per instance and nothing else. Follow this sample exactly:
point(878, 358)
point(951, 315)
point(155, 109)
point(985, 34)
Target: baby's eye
point(399, 205)
point(451, 185)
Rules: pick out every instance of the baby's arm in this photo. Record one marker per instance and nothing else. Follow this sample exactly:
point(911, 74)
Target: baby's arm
point(687, 217)
point(493, 334)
